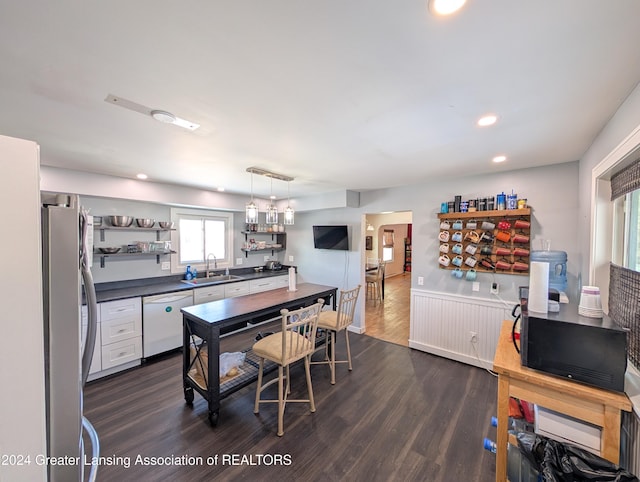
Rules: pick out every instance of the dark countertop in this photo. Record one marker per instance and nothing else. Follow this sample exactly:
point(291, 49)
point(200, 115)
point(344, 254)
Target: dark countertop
point(117, 290)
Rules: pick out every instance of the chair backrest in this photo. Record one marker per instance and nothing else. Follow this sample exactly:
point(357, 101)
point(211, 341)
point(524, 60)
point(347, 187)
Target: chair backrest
point(347, 307)
point(372, 262)
point(299, 331)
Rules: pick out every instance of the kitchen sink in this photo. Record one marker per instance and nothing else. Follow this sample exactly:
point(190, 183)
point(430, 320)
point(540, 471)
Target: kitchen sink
point(218, 278)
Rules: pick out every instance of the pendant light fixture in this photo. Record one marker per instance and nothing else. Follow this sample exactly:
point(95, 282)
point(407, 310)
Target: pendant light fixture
point(272, 210)
point(288, 212)
point(251, 210)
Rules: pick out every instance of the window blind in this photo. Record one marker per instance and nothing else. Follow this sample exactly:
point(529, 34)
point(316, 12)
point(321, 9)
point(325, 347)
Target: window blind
point(625, 181)
point(624, 306)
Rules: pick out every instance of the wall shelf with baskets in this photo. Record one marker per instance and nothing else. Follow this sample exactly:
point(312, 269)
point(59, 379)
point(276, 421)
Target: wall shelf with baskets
point(495, 241)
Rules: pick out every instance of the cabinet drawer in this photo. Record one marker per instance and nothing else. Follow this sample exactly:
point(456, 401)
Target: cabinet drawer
point(121, 352)
point(112, 310)
point(236, 289)
point(208, 293)
point(281, 282)
point(259, 285)
point(117, 330)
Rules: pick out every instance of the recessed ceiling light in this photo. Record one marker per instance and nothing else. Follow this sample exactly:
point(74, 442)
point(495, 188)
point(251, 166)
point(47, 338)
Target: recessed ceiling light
point(445, 7)
point(169, 118)
point(141, 176)
point(499, 159)
point(487, 120)
point(163, 116)
point(220, 189)
point(272, 197)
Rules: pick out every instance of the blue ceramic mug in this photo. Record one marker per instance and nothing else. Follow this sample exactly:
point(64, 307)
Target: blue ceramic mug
point(457, 249)
point(457, 273)
point(471, 275)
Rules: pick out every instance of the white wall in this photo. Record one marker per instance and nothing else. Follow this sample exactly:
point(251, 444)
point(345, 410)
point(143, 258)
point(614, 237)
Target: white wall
point(625, 120)
point(552, 193)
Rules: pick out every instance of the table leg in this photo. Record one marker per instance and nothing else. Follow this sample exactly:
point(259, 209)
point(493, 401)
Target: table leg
point(502, 429)
point(610, 441)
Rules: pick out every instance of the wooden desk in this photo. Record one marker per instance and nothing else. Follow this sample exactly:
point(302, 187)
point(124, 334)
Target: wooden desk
point(596, 406)
point(205, 321)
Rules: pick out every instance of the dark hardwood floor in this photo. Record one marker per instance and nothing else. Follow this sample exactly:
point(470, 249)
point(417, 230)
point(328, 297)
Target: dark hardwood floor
point(400, 414)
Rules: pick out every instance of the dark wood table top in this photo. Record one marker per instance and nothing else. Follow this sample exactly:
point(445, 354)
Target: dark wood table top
point(240, 308)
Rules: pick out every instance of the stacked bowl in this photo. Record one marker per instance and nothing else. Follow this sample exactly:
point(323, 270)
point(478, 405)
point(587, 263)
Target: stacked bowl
point(590, 304)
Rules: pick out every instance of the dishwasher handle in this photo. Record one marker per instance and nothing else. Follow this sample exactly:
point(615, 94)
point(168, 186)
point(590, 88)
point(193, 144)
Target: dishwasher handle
point(165, 299)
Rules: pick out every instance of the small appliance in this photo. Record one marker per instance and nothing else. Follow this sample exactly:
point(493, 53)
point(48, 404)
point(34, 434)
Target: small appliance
point(566, 344)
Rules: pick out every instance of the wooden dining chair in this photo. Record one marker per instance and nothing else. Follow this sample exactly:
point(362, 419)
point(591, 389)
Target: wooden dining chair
point(335, 321)
point(295, 342)
point(374, 283)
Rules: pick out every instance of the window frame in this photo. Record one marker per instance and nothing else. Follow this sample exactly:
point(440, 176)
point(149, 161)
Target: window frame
point(227, 217)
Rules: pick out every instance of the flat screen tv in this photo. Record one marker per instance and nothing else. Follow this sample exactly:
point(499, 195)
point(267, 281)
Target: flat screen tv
point(331, 237)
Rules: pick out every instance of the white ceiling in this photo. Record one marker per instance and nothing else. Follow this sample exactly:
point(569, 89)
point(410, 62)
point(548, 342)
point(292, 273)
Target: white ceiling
point(339, 94)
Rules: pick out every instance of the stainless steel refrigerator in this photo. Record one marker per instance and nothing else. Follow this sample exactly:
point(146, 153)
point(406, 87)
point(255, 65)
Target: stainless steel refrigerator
point(67, 246)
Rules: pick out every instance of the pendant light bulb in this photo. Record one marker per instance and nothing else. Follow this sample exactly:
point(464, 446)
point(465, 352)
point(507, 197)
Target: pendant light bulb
point(289, 213)
point(251, 210)
point(272, 210)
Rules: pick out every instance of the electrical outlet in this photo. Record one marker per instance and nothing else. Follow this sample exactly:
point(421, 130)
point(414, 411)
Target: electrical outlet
point(166, 265)
point(473, 337)
point(420, 280)
point(290, 259)
point(495, 288)
point(238, 261)
point(266, 258)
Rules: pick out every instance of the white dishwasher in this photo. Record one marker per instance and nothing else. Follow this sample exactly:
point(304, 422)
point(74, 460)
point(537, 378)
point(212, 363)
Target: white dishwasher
point(162, 321)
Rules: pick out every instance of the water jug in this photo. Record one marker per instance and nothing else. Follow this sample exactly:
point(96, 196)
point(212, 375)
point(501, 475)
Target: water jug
point(557, 267)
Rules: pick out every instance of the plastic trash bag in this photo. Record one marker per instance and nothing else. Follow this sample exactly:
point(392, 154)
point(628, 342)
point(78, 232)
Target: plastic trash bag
point(229, 362)
point(563, 462)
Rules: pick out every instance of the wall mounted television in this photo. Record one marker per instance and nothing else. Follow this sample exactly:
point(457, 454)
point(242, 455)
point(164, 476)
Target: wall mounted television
point(331, 237)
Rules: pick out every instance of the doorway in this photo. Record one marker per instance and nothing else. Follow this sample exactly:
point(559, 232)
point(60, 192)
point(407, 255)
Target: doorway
point(388, 237)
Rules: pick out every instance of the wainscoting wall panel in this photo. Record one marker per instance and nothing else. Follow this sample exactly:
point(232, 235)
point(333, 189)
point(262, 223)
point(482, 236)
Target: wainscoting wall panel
point(442, 324)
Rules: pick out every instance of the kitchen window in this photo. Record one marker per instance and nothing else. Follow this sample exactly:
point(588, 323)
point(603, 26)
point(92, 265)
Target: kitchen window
point(631, 230)
point(200, 235)
point(387, 245)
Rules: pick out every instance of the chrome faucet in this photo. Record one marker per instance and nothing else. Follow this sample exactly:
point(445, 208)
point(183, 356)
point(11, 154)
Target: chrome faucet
point(215, 264)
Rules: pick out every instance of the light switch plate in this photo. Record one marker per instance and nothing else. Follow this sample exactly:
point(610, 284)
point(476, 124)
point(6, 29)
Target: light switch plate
point(290, 259)
point(420, 280)
point(238, 261)
point(166, 265)
point(475, 286)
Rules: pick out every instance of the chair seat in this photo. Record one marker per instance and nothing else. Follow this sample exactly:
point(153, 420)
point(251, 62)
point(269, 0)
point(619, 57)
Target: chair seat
point(270, 347)
point(328, 320)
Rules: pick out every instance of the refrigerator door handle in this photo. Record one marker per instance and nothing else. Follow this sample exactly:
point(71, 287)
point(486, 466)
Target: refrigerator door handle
point(90, 293)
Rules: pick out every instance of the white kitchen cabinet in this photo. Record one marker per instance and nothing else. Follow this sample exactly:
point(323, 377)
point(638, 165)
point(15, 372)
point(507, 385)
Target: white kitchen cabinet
point(96, 361)
point(120, 334)
point(207, 294)
point(121, 352)
point(266, 284)
point(231, 290)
